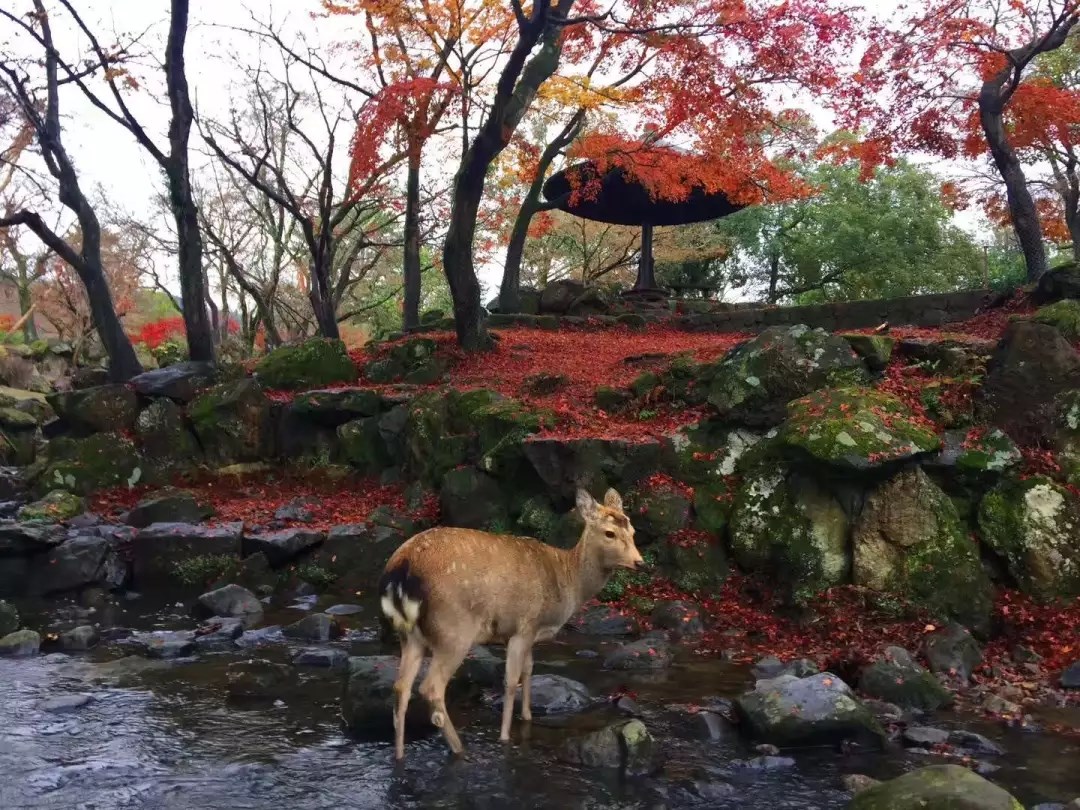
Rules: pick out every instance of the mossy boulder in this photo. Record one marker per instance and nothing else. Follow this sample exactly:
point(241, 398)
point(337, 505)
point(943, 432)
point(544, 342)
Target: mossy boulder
point(9, 618)
point(819, 709)
point(755, 381)
point(232, 421)
point(1033, 525)
point(937, 787)
point(472, 499)
point(363, 446)
point(435, 441)
point(413, 361)
point(163, 436)
point(55, 507)
point(977, 453)
point(909, 540)
point(712, 507)
point(791, 529)
point(695, 565)
point(85, 465)
point(876, 350)
point(501, 425)
point(1067, 435)
point(563, 465)
point(1032, 368)
point(309, 364)
point(335, 408)
point(1063, 315)
point(102, 409)
point(659, 509)
point(855, 429)
point(612, 400)
point(899, 680)
point(13, 419)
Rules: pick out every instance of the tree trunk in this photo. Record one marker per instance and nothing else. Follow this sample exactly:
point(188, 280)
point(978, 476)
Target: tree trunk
point(518, 83)
point(1025, 216)
point(200, 337)
point(322, 304)
point(774, 277)
point(510, 289)
point(411, 269)
point(458, 258)
point(123, 363)
point(646, 277)
point(26, 300)
point(1071, 198)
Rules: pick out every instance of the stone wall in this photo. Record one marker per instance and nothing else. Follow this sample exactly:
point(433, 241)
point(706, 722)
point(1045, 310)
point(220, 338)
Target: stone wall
point(915, 310)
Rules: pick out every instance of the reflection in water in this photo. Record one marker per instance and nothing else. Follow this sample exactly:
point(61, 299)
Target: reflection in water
point(163, 735)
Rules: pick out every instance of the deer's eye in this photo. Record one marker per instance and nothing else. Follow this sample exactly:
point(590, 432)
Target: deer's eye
point(609, 533)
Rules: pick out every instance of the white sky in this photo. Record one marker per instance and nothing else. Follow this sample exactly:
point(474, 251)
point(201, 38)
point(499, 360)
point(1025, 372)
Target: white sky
point(108, 157)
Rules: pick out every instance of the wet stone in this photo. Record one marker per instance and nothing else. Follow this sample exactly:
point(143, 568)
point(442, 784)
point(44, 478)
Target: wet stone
point(20, 644)
point(80, 638)
point(925, 737)
point(219, 633)
point(316, 627)
point(66, 703)
point(554, 694)
point(327, 658)
point(627, 746)
point(261, 637)
point(975, 743)
point(231, 600)
point(343, 610)
point(1070, 678)
point(602, 620)
point(646, 653)
point(165, 644)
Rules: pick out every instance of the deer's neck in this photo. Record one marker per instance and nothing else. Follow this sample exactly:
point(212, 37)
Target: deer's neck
point(586, 576)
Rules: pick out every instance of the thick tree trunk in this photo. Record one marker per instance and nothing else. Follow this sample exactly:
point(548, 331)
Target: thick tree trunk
point(123, 363)
point(646, 277)
point(520, 79)
point(1025, 216)
point(200, 337)
point(322, 303)
point(411, 269)
point(1072, 209)
point(510, 289)
point(458, 258)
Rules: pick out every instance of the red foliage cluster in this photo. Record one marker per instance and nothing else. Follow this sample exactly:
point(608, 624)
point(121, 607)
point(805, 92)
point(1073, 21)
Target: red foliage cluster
point(662, 482)
point(1047, 629)
point(907, 384)
point(254, 499)
point(154, 333)
point(844, 630)
point(587, 359)
point(6, 322)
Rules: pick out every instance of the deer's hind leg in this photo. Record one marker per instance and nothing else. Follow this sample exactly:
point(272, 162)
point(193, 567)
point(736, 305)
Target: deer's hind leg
point(446, 657)
point(412, 656)
point(518, 662)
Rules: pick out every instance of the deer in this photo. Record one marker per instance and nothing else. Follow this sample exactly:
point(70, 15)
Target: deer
point(447, 589)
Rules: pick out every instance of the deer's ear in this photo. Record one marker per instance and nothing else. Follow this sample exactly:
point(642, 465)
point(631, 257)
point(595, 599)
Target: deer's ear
point(613, 500)
point(585, 504)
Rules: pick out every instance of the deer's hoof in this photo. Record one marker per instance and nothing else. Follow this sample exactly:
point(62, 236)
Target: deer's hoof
point(438, 719)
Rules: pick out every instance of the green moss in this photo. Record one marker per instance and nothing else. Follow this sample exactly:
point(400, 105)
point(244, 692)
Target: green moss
point(876, 350)
point(855, 428)
point(363, 446)
point(987, 451)
point(1033, 525)
point(313, 574)
point(204, 569)
point(644, 384)
point(792, 531)
point(712, 507)
point(612, 400)
point(12, 419)
point(313, 363)
point(697, 568)
point(1063, 315)
point(231, 421)
point(937, 787)
point(85, 465)
point(57, 506)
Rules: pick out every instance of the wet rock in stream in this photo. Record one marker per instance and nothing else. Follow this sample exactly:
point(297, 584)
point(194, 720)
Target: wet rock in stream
point(803, 711)
point(19, 644)
point(80, 638)
point(627, 746)
point(230, 600)
point(937, 786)
point(553, 694)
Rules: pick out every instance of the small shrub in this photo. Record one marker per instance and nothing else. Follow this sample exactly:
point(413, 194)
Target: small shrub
point(169, 352)
point(206, 568)
point(313, 574)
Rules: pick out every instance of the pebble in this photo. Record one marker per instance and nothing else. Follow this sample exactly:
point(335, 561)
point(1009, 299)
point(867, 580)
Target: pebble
point(925, 736)
point(343, 610)
point(66, 703)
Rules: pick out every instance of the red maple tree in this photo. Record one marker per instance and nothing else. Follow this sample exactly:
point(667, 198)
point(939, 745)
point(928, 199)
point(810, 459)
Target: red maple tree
point(949, 80)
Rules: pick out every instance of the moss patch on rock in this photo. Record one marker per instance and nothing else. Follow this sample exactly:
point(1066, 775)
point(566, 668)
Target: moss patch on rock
point(104, 408)
point(55, 507)
point(938, 786)
point(85, 465)
point(312, 363)
point(855, 428)
point(1033, 525)
point(1063, 315)
point(753, 383)
point(876, 350)
point(231, 421)
point(909, 540)
point(412, 361)
point(791, 530)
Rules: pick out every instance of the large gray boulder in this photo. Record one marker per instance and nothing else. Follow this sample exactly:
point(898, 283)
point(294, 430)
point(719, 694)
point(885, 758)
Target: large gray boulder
point(938, 787)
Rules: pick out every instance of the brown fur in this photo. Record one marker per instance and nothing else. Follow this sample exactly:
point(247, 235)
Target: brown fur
point(479, 587)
